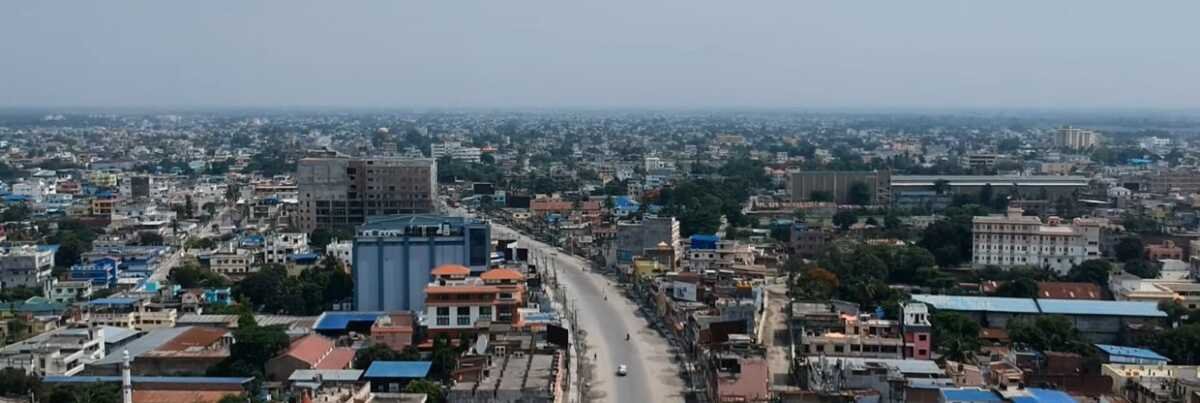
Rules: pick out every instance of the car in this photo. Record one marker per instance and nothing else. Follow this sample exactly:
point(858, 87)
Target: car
point(622, 370)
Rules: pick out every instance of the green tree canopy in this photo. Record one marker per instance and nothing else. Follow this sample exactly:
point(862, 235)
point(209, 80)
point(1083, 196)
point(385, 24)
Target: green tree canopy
point(955, 336)
point(1048, 333)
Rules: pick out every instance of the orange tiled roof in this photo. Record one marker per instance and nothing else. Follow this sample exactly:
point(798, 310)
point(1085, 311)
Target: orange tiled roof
point(451, 270)
point(501, 274)
point(310, 348)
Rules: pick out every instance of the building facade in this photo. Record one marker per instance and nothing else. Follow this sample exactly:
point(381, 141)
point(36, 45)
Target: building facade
point(336, 190)
point(26, 266)
point(455, 150)
point(394, 256)
point(1013, 239)
point(1075, 138)
point(802, 184)
point(634, 238)
point(455, 303)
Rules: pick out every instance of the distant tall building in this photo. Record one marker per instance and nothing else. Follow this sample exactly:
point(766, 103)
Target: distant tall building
point(335, 190)
point(394, 256)
point(802, 184)
point(1075, 138)
point(139, 186)
point(456, 151)
point(636, 238)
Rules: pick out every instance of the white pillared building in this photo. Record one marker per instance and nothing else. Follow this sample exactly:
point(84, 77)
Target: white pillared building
point(1012, 239)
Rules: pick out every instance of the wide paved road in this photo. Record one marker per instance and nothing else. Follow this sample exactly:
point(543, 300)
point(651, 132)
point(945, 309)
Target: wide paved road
point(653, 369)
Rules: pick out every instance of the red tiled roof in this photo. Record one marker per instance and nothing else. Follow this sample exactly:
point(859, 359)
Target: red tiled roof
point(179, 396)
point(1061, 290)
point(194, 337)
point(339, 358)
point(451, 270)
point(310, 348)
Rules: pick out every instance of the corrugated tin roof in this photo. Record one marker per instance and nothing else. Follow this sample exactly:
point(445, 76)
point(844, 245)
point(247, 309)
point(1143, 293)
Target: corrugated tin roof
point(339, 320)
point(1103, 308)
point(398, 369)
point(149, 379)
point(332, 375)
point(979, 304)
point(970, 395)
point(150, 341)
point(1139, 353)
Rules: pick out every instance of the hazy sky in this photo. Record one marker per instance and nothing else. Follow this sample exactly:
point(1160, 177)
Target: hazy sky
point(609, 53)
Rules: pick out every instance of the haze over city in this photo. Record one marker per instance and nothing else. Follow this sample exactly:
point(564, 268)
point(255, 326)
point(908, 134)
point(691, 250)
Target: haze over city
point(623, 54)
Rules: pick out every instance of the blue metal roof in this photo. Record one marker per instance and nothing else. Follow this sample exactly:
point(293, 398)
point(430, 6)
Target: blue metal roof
point(1131, 354)
point(398, 369)
point(339, 320)
point(113, 301)
point(979, 304)
point(970, 395)
point(149, 379)
point(1105, 308)
point(1038, 395)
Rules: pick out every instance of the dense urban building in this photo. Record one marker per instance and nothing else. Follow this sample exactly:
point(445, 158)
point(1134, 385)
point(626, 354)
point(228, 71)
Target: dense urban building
point(395, 256)
point(1013, 239)
point(336, 190)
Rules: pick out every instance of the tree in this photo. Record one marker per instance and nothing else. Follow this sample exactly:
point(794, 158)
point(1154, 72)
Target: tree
point(381, 352)
point(1181, 344)
point(820, 196)
point(16, 212)
point(1048, 333)
point(1129, 248)
point(816, 284)
point(201, 243)
point(940, 186)
point(97, 392)
point(1092, 271)
point(232, 399)
point(955, 336)
point(189, 207)
point(432, 391)
point(16, 383)
point(191, 276)
point(986, 195)
point(949, 240)
point(322, 237)
point(444, 359)
point(148, 238)
point(844, 219)
point(859, 194)
point(1143, 268)
point(1019, 288)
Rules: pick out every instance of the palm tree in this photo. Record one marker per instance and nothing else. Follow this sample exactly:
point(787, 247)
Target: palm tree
point(941, 186)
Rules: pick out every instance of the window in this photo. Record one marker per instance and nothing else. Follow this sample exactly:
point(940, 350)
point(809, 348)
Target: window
point(464, 311)
point(443, 311)
point(921, 337)
point(485, 312)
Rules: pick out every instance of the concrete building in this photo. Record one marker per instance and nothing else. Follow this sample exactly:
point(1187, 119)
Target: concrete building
point(455, 150)
point(924, 191)
point(231, 261)
point(313, 351)
point(1075, 138)
point(456, 304)
point(917, 331)
point(26, 266)
point(58, 352)
point(336, 190)
point(1013, 239)
point(802, 184)
point(140, 186)
point(1153, 383)
point(394, 256)
point(717, 255)
point(634, 238)
point(516, 378)
point(278, 247)
point(1182, 181)
point(857, 336)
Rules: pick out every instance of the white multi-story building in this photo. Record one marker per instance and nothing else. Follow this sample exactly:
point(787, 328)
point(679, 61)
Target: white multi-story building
point(1075, 138)
point(455, 150)
point(279, 246)
point(26, 266)
point(1015, 240)
point(727, 255)
point(343, 251)
point(61, 351)
point(35, 189)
